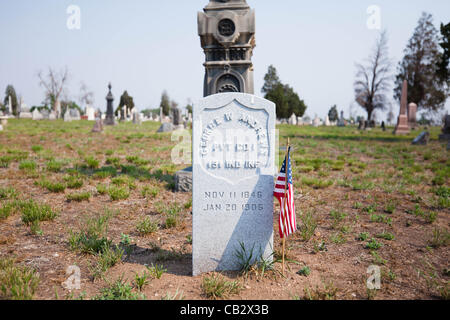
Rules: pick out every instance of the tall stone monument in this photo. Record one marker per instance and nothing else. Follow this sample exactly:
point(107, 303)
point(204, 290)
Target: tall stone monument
point(233, 180)
point(402, 122)
point(227, 33)
point(109, 120)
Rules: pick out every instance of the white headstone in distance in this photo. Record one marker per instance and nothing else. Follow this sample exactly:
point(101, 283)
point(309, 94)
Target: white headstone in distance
point(90, 112)
point(316, 122)
point(36, 115)
point(293, 120)
point(9, 106)
point(233, 180)
point(67, 117)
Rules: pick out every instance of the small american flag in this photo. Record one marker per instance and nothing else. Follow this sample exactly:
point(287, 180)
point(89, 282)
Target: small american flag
point(284, 192)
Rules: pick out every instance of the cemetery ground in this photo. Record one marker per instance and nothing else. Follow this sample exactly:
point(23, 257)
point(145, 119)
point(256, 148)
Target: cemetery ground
point(105, 203)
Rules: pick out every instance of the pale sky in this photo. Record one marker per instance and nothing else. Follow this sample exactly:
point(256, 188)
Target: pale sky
point(147, 46)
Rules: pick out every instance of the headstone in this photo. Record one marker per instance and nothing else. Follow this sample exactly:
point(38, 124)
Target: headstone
point(383, 126)
point(422, 139)
point(402, 122)
point(9, 106)
point(412, 114)
point(90, 112)
point(36, 115)
point(183, 180)
point(293, 120)
point(327, 121)
point(25, 112)
point(233, 180)
point(361, 124)
point(67, 117)
point(166, 127)
point(1, 127)
point(75, 114)
point(316, 122)
point(98, 126)
point(136, 117)
point(45, 114)
point(52, 116)
point(176, 117)
point(446, 129)
point(109, 118)
point(341, 121)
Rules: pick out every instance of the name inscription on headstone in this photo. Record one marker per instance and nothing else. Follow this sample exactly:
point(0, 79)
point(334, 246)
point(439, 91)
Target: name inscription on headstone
point(233, 168)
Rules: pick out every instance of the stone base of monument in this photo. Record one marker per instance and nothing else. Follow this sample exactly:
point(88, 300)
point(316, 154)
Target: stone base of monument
point(183, 180)
point(25, 115)
point(402, 125)
point(444, 137)
point(109, 121)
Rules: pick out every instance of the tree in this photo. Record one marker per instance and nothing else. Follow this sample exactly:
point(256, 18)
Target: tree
point(333, 114)
point(165, 103)
point(66, 105)
point(373, 78)
point(443, 71)
point(10, 91)
point(419, 67)
point(125, 100)
point(86, 97)
point(271, 80)
point(54, 84)
point(286, 99)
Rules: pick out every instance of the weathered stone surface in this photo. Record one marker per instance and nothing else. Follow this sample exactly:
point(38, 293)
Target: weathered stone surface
point(422, 139)
point(233, 180)
point(166, 127)
point(36, 115)
point(98, 126)
point(227, 33)
point(412, 115)
point(402, 122)
point(183, 180)
point(293, 120)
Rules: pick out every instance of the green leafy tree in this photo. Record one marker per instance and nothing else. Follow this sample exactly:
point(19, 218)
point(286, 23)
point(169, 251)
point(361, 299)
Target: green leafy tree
point(333, 113)
point(419, 67)
point(271, 80)
point(286, 99)
point(66, 105)
point(165, 103)
point(10, 91)
point(125, 100)
point(443, 71)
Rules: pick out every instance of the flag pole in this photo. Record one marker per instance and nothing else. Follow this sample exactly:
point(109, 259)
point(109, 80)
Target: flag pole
point(285, 198)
